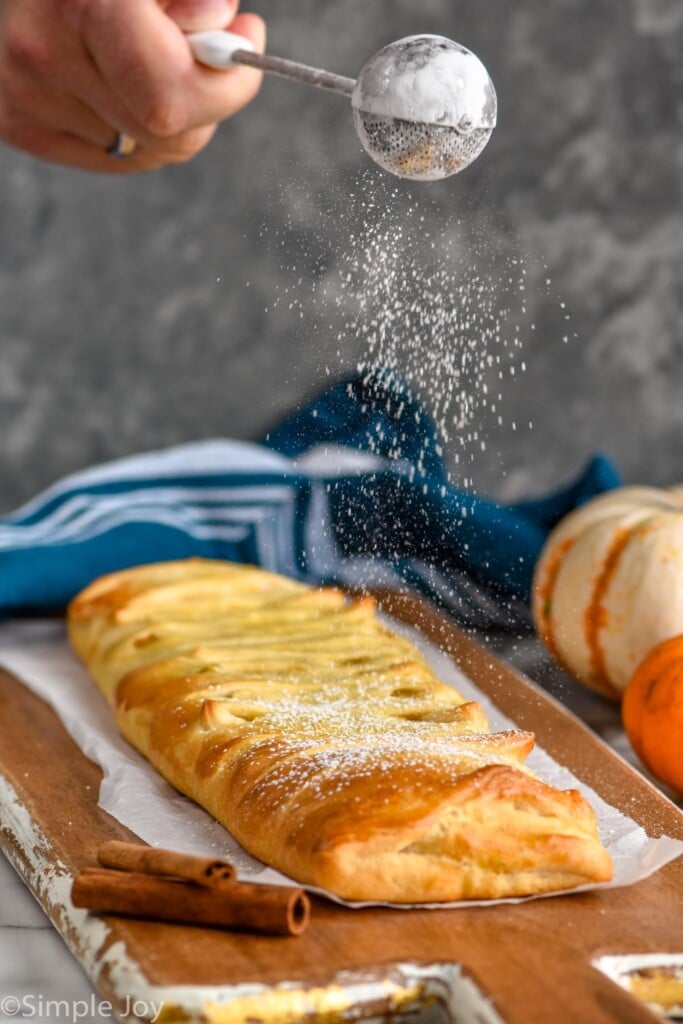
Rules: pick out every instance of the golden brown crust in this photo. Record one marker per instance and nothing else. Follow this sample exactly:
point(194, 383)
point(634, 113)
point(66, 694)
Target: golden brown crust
point(323, 741)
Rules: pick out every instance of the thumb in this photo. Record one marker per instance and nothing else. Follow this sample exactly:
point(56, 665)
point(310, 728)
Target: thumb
point(200, 15)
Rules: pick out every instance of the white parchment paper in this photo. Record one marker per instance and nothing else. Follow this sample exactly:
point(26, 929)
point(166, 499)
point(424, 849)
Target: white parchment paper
point(132, 791)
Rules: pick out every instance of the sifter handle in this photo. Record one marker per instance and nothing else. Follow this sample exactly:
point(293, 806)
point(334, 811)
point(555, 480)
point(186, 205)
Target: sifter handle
point(223, 50)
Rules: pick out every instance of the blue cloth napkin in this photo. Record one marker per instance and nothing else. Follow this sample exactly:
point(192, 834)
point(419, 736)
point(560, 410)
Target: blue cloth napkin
point(323, 498)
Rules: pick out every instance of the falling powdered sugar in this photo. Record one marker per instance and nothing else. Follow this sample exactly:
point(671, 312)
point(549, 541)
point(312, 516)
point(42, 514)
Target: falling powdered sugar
point(439, 316)
point(420, 304)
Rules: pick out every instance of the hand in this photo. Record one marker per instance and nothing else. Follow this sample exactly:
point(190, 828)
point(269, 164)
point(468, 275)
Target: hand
point(74, 73)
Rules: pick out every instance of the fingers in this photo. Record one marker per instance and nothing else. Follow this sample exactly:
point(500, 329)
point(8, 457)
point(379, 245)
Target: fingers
point(25, 99)
point(65, 149)
point(53, 125)
point(74, 73)
point(56, 125)
point(146, 62)
point(200, 15)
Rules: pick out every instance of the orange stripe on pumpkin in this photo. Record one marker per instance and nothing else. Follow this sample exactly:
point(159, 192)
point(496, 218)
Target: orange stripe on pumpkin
point(596, 617)
point(546, 594)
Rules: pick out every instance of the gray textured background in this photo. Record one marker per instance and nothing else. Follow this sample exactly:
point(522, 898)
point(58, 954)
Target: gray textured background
point(140, 312)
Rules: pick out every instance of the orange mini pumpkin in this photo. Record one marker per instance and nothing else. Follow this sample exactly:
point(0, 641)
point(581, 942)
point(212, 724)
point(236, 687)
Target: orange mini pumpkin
point(652, 711)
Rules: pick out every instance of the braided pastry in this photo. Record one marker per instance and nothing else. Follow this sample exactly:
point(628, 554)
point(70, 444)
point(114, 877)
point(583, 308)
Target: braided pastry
point(323, 741)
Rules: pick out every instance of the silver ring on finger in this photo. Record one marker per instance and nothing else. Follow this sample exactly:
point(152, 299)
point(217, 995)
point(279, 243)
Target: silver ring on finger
point(122, 147)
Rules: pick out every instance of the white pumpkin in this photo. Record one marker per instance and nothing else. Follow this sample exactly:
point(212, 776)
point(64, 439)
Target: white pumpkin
point(609, 584)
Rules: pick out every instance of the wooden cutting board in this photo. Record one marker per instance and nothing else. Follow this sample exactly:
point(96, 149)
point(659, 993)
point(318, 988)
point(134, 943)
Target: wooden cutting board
point(522, 963)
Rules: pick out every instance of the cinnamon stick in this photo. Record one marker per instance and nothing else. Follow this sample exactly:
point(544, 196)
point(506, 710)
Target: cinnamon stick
point(150, 861)
point(268, 909)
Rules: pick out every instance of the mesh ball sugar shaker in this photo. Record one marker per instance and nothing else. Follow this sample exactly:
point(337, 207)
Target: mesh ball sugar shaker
point(424, 107)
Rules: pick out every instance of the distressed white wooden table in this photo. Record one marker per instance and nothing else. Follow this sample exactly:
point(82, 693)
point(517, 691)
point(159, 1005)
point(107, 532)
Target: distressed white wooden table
point(39, 978)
